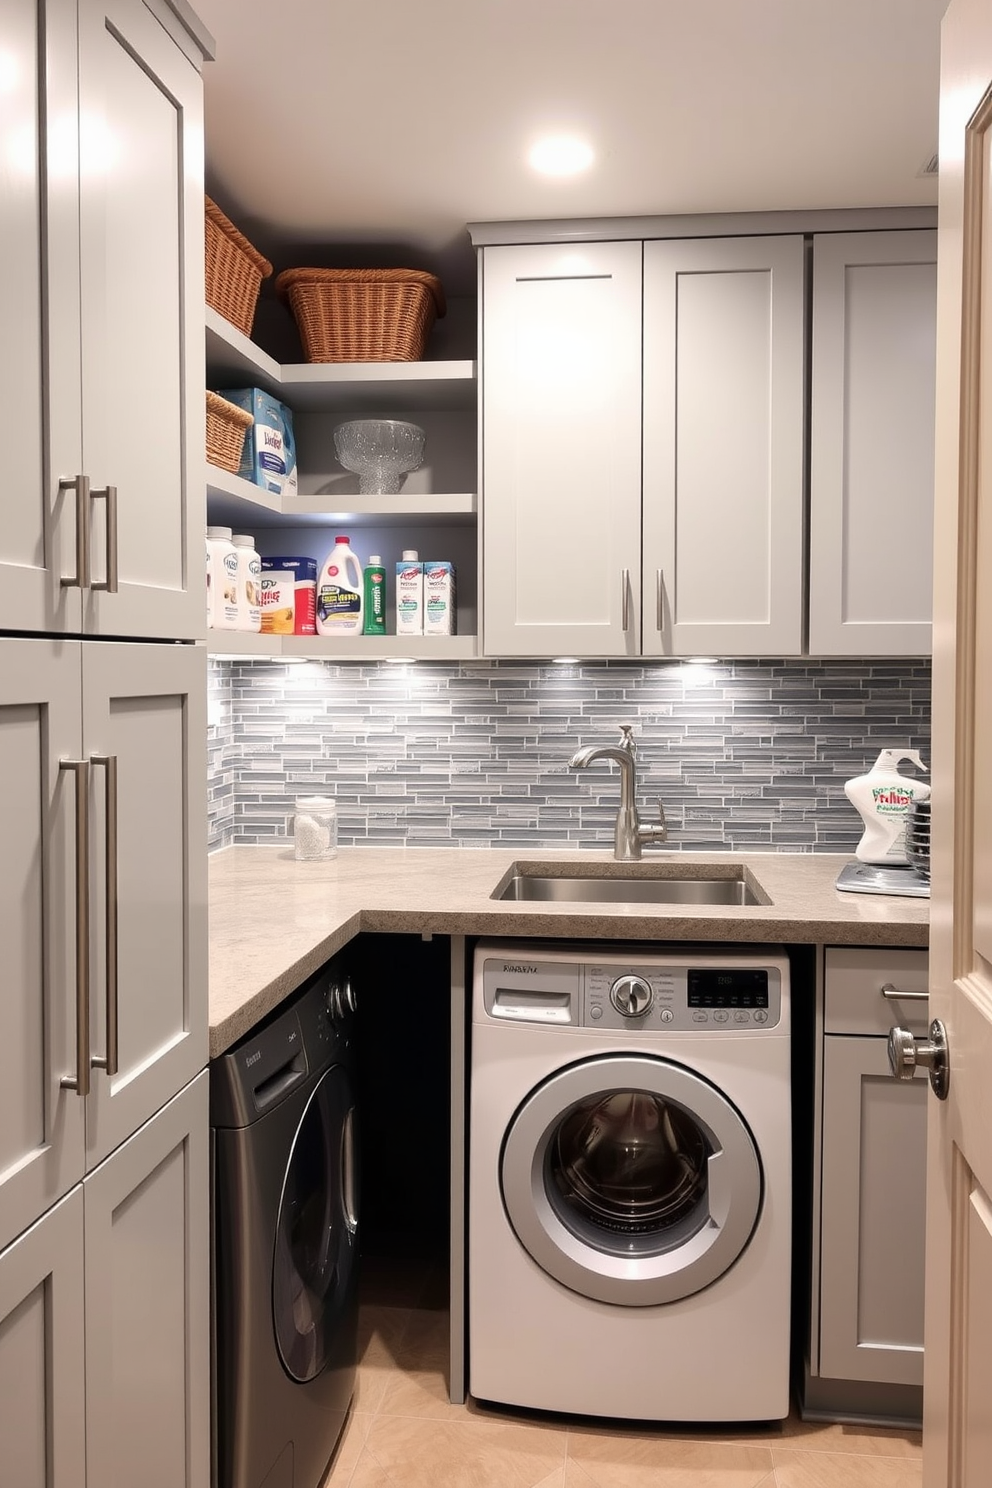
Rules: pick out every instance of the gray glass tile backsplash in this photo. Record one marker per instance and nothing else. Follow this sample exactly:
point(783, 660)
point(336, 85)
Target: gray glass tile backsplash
point(745, 755)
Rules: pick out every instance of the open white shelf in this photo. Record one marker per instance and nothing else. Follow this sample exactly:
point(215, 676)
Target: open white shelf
point(236, 645)
point(235, 502)
point(352, 387)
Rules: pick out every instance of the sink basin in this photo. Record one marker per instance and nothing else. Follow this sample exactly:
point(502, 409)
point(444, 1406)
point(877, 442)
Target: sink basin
point(673, 884)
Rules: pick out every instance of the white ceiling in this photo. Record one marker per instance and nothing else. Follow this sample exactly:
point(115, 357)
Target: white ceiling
point(389, 124)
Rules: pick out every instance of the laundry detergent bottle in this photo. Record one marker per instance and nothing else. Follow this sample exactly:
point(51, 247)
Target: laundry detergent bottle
point(883, 797)
point(339, 592)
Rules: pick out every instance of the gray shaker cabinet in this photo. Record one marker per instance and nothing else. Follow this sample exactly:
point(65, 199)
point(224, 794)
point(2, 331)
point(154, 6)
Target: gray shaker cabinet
point(103, 376)
point(561, 449)
point(128, 941)
point(870, 1193)
point(872, 443)
point(104, 1308)
point(692, 351)
point(723, 446)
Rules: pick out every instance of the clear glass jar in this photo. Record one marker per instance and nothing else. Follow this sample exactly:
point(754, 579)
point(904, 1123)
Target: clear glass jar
point(315, 829)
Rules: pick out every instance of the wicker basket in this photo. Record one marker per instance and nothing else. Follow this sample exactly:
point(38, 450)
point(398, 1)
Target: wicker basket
point(235, 269)
point(226, 429)
point(362, 315)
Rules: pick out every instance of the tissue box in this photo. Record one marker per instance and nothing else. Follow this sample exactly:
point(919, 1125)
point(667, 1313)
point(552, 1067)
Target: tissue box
point(269, 456)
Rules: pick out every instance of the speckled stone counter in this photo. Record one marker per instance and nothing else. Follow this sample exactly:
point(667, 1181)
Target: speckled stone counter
point(274, 921)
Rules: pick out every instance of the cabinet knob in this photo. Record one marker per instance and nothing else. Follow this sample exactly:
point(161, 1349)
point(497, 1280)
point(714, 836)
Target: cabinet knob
point(905, 1054)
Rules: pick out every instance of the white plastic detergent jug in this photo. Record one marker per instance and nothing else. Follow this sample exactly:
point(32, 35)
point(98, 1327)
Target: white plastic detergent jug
point(339, 592)
point(883, 797)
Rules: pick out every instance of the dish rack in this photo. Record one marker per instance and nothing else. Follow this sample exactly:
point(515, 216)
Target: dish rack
point(918, 836)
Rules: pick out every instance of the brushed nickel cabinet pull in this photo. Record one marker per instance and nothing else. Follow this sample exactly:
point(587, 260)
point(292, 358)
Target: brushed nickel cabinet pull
point(892, 994)
point(625, 599)
point(661, 601)
point(81, 485)
point(80, 1082)
point(108, 763)
point(109, 494)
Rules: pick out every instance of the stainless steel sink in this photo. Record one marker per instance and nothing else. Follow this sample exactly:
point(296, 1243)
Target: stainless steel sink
point(668, 888)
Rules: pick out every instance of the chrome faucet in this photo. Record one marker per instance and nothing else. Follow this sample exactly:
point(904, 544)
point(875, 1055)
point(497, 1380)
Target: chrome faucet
point(628, 834)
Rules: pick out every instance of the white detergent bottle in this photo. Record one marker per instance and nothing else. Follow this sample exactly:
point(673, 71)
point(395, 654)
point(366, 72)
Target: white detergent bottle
point(883, 797)
point(340, 592)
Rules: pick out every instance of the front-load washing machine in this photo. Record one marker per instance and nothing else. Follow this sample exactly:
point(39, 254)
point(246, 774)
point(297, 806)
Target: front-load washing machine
point(630, 1185)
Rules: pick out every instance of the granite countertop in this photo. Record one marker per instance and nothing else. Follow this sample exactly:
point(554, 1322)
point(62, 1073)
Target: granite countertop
point(274, 921)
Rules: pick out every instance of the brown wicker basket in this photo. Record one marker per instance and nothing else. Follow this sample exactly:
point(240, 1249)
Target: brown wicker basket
point(362, 315)
point(234, 269)
point(226, 428)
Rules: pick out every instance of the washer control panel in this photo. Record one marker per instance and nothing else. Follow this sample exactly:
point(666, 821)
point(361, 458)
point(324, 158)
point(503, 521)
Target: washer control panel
point(718, 995)
point(718, 992)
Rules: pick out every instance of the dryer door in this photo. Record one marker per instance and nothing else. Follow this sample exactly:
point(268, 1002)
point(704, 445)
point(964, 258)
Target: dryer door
point(316, 1243)
point(632, 1181)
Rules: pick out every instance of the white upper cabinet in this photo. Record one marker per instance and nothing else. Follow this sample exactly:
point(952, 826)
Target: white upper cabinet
point(872, 443)
point(103, 377)
point(723, 446)
point(692, 351)
point(561, 380)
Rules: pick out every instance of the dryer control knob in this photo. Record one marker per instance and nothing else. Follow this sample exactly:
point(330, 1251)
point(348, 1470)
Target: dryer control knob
point(333, 1001)
point(631, 996)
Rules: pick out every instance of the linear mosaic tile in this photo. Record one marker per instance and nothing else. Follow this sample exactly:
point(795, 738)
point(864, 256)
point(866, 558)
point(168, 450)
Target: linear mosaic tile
point(743, 754)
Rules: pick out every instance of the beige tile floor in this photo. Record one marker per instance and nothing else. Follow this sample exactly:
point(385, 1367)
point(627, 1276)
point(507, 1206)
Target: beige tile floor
point(404, 1433)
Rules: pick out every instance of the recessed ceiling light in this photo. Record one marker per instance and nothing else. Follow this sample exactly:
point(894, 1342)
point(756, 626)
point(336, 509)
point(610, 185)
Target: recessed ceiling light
point(561, 155)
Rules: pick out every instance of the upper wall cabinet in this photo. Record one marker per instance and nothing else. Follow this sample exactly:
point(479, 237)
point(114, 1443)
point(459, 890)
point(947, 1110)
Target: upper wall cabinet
point(561, 416)
point(587, 548)
point(103, 377)
point(723, 447)
point(872, 438)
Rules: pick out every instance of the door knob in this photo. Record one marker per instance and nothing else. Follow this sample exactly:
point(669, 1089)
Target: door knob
point(905, 1054)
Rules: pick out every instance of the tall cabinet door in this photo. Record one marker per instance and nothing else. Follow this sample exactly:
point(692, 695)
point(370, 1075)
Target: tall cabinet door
point(141, 271)
point(39, 312)
point(147, 1217)
point(144, 732)
point(723, 446)
point(872, 443)
point(42, 1395)
point(561, 377)
point(43, 928)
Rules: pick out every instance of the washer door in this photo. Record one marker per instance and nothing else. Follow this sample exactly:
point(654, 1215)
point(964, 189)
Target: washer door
point(632, 1181)
point(316, 1243)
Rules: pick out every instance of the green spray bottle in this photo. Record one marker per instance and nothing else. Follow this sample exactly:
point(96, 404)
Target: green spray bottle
point(374, 609)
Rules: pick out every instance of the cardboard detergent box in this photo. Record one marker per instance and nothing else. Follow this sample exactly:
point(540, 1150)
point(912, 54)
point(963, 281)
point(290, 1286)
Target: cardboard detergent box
point(269, 455)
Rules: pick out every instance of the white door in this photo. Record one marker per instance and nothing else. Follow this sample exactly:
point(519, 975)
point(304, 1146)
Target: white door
point(43, 928)
point(871, 443)
point(144, 733)
point(42, 1381)
point(39, 298)
point(141, 272)
point(147, 1218)
point(958, 1355)
point(723, 447)
point(561, 441)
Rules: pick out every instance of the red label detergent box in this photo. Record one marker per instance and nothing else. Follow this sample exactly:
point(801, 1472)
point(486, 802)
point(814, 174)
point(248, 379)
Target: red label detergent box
point(268, 458)
point(304, 572)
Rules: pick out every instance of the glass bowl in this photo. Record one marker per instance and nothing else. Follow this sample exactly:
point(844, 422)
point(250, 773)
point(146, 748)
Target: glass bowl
point(380, 452)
